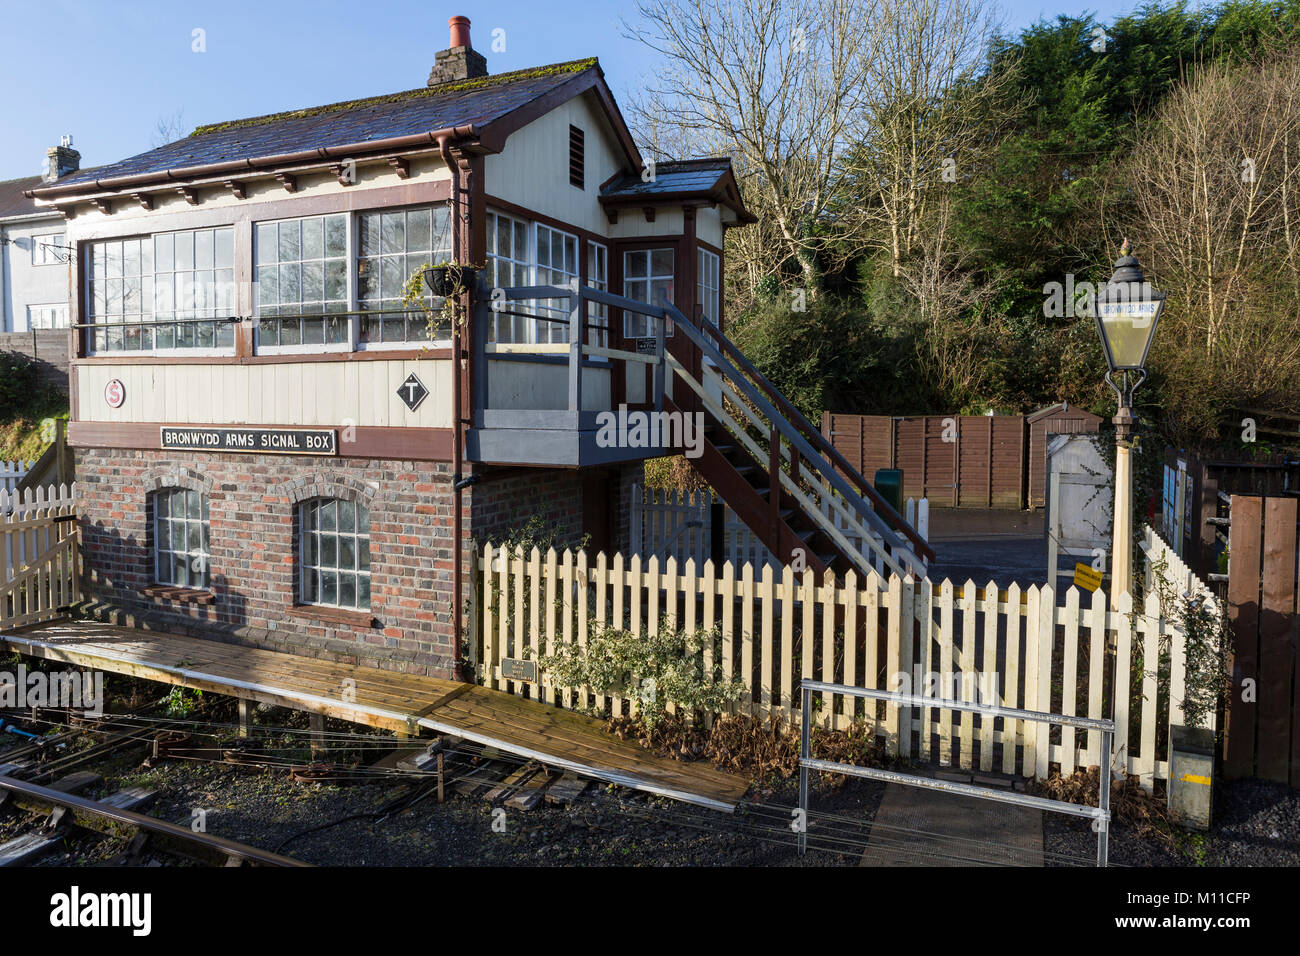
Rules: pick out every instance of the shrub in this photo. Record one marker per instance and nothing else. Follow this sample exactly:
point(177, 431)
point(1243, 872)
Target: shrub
point(654, 669)
point(17, 382)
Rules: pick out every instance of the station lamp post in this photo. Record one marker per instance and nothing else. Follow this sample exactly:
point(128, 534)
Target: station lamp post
point(1126, 312)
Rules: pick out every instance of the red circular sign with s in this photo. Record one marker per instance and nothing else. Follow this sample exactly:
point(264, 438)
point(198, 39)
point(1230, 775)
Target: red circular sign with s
point(115, 393)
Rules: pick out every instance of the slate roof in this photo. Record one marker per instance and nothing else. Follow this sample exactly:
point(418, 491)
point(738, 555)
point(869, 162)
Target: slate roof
point(673, 178)
point(412, 112)
point(711, 178)
point(14, 203)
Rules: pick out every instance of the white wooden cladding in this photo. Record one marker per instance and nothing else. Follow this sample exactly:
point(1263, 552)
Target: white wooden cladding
point(12, 472)
point(39, 571)
point(770, 628)
point(308, 394)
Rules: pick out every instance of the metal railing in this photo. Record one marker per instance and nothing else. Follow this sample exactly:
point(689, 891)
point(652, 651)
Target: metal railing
point(1100, 814)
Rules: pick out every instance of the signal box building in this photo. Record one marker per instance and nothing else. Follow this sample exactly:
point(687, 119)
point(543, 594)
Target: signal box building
point(271, 442)
point(281, 442)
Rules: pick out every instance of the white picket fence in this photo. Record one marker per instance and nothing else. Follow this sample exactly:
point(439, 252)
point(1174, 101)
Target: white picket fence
point(22, 534)
point(12, 472)
point(678, 524)
point(770, 628)
point(39, 562)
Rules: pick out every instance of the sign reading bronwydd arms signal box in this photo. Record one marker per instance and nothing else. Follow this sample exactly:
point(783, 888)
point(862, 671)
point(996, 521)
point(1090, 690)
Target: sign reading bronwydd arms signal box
point(276, 441)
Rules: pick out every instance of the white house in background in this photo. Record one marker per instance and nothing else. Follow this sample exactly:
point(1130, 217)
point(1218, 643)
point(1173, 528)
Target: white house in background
point(33, 249)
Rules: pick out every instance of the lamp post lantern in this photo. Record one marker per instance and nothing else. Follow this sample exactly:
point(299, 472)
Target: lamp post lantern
point(1126, 312)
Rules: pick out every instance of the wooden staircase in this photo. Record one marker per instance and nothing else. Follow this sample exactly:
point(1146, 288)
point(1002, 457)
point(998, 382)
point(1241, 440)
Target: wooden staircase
point(779, 474)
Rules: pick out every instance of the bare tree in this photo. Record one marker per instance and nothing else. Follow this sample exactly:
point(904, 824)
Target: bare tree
point(168, 128)
point(930, 109)
point(1215, 185)
point(773, 83)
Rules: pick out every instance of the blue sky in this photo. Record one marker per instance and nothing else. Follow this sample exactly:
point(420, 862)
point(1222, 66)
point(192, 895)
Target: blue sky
point(117, 68)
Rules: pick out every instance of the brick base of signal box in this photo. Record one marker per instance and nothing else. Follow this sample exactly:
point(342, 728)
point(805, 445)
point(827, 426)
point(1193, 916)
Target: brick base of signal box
point(252, 506)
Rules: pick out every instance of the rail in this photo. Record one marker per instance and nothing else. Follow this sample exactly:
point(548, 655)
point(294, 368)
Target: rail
point(203, 845)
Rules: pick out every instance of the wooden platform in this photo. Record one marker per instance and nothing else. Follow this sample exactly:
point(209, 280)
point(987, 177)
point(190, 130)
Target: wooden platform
point(400, 702)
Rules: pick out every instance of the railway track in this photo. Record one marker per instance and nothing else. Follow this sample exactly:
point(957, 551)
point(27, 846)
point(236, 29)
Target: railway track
point(60, 814)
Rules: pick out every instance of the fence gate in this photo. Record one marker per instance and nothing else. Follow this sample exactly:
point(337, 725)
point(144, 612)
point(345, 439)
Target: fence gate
point(1100, 814)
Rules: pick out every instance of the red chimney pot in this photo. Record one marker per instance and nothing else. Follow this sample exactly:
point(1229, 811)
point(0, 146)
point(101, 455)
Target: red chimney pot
point(459, 31)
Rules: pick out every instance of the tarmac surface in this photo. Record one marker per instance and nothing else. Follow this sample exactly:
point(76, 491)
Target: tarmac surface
point(982, 545)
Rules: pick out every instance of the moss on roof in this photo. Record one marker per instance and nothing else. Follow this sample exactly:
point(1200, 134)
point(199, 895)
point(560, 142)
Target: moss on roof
point(460, 86)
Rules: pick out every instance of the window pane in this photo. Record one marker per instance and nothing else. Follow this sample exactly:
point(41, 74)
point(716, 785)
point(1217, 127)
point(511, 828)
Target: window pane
point(313, 239)
point(313, 283)
point(634, 266)
point(290, 241)
point(370, 234)
point(203, 250)
point(419, 236)
point(184, 251)
point(391, 232)
point(225, 249)
point(661, 262)
point(336, 236)
point(268, 246)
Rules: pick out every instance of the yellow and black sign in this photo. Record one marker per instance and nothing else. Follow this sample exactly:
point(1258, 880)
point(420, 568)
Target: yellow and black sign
point(1086, 577)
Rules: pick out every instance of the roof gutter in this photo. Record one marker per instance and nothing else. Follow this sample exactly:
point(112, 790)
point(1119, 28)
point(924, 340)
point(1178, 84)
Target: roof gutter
point(264, 163)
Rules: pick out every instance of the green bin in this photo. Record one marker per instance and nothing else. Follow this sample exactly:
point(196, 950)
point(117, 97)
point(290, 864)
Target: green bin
point(889, 483)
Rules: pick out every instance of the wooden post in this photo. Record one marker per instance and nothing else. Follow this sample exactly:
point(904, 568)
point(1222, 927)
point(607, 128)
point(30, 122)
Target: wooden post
point(774, 491)
point(246, 717)
point(575, 348)
point(316, 725)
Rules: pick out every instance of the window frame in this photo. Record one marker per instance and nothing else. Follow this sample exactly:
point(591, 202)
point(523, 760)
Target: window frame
point(44, 246)
point(87, 249)
point(529, 264)
point(536, 243)
point(305, 529)
point(650, 277)
point(703, 291)
point(62, 307)
point(354, 258)
point(322, 348)
point(598, 312)
point(204, 522)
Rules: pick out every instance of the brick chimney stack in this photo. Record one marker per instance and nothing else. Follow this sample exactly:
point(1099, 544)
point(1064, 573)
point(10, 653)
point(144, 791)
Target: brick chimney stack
point(461, 61)
point(60, 160)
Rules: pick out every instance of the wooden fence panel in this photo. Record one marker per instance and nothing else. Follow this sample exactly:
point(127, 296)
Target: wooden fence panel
point(1277, 619)
point(1245, 544)
point(968, 461)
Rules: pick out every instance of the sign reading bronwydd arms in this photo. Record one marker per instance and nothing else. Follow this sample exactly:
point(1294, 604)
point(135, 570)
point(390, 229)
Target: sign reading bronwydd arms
point(275, 441)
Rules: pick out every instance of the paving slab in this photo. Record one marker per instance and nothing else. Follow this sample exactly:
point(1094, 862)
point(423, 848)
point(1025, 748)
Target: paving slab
point(915, 827)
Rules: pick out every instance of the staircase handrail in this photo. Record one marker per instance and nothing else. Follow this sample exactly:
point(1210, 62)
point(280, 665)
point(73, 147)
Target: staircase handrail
point(819, 441)
point(832, 477)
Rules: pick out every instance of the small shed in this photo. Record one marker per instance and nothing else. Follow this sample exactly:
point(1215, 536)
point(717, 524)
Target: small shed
point(1060, 419)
